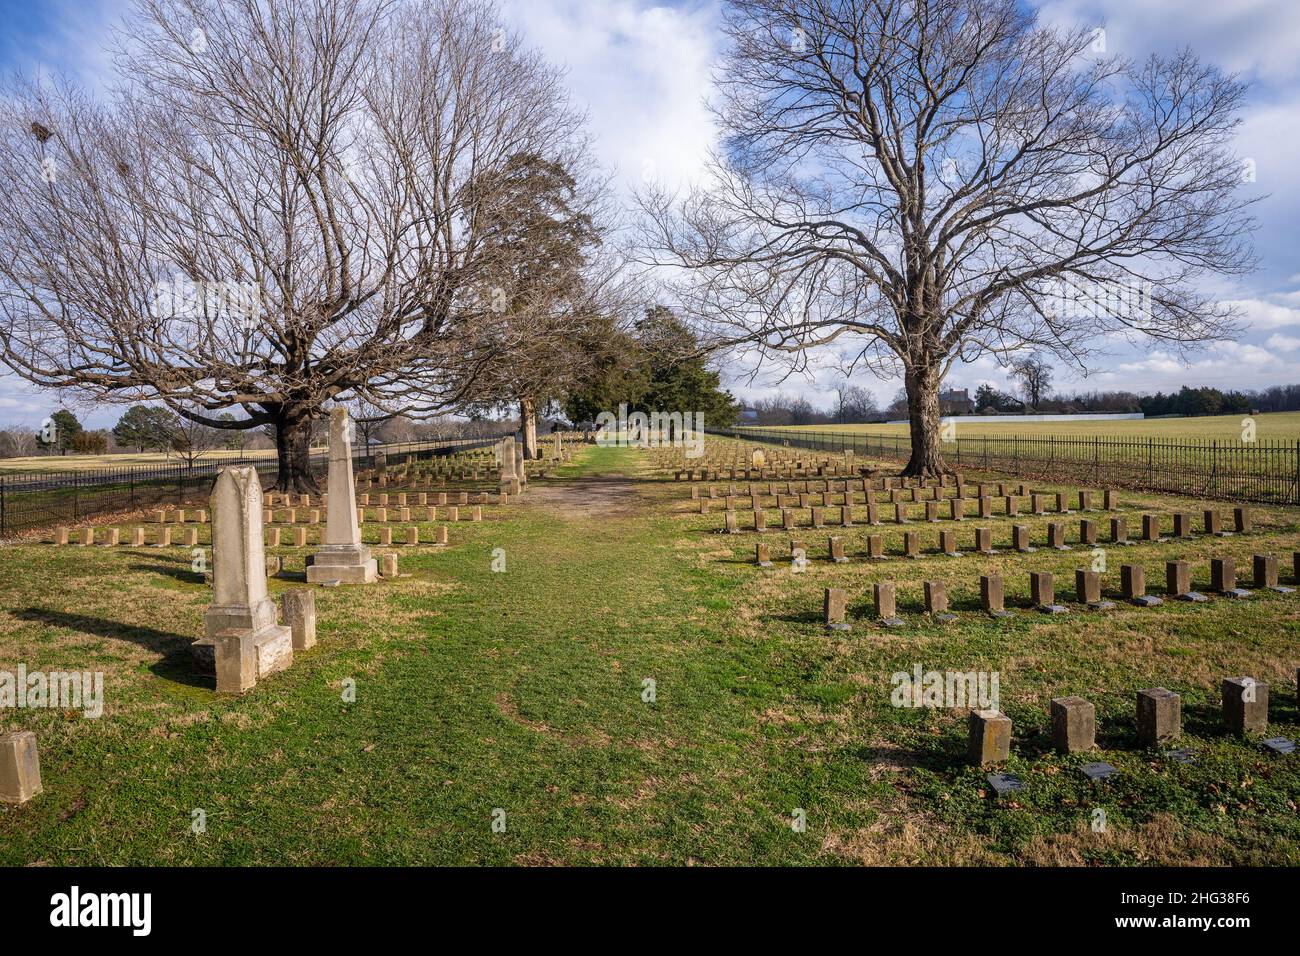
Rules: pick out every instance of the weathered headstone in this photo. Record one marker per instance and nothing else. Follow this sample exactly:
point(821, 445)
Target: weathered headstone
point(1133, 585)
point(1266, 574)
point(1245, 705)
point(989, 737)
point(1159, 716)
point(833, 607)
point(1042, 594)
point(299, 608)
point(991, 595)
point(885, 596)
point(1087, 588)
point(1178, 582)
point(1074, 724)
point(20, 767)
point(1223, 578)
point(936, 601)
point(241, 621)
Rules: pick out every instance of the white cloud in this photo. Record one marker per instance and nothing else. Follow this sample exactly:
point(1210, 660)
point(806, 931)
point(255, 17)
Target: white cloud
point(1283, 343)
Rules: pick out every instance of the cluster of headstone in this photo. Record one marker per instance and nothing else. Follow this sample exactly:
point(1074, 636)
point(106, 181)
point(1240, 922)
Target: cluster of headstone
point(1158, 716)
point(1088, 590)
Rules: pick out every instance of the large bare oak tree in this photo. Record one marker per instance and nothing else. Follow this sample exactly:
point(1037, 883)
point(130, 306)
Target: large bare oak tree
point(910, 183)
point(278, 202)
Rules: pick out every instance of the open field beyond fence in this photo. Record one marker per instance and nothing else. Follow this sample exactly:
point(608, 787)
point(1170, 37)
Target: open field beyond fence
point(1265, 470)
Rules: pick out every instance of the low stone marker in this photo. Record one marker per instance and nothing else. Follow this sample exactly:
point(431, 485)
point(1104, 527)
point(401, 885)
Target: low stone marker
point(875, 546)
point(1133, 585)
point(1266, 576)
point(1223, 578)
point(299, 608)
point(900, 513)
point(388, 565)
point(885, 596)
point(991, 595)
point(1111, 500)
point(441, 540)
point(985, 507)
point(1245, 705)
point(932, 511)
point(1213, 522)
point(1020, 539)
point(137, 537)
point(1011, 505)
point(988, 737)
point(300, 537)
point(190, 537)
point(385, 537)
point(911, 544)
point(846, 516)
point(1062, 507)
point(87, 537)
point(760, 520)
point(1151, 528)
point(1074, 725)
point(957, 508)
point(818, 517)
point(1182, 524)
point(1087, 532)
point(837, 549)
point(936, 601)
point(164, 537)
point(1119, 531)
point(1038, 504)
point(1159, 716)
point(20, 767)
point(1243, 520)
point(729, 525)
point(984, 541)
point(1178, 582)
point(1087, 589)
point(1056, 536)
point(1042, 594)
point(948, 544)
point(1085, 500)
point(412, 536)
point(60, 535)
point(834, 604)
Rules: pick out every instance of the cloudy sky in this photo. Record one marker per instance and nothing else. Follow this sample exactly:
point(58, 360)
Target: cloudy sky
point(642, 70)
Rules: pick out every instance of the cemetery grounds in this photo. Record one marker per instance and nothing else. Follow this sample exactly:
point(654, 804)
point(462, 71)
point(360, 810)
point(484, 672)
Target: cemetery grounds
point(630, 688)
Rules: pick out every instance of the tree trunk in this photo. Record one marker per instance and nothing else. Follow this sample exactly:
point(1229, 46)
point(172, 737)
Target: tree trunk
point(293, 451)
point(923, 418)
point(528, 426)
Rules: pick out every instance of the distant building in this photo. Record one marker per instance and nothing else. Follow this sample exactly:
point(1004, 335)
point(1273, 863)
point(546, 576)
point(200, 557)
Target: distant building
point(955, 401)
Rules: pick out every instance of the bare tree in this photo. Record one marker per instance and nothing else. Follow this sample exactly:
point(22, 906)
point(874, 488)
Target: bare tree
point(1034, 376)
point(921, 182)
point(281, 202)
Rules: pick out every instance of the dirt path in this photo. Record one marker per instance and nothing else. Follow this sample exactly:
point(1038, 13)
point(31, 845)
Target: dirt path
point(612, 495)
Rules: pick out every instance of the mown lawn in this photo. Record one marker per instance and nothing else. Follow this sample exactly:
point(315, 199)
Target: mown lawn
point(519, 695)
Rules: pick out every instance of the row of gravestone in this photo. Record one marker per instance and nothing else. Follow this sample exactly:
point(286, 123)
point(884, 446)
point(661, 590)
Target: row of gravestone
point(805, 491)
point(1087, 586)
point(1158, 716)
point(189, 537)
point(982, 539)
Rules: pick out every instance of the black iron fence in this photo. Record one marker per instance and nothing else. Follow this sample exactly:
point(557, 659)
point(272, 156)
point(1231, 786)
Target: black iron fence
point(43, 499)
point(1262, 471)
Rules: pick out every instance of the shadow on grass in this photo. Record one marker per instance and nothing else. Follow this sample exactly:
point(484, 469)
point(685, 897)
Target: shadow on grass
point(178, 571)
point(176, 663)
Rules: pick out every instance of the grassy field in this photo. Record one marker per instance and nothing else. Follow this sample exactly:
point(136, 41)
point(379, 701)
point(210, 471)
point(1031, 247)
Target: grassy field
point(39, 464)
point(521, 696)
point(1269, 427)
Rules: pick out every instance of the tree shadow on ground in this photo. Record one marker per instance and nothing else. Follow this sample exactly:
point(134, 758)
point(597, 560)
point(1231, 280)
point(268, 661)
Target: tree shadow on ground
point(176, 663)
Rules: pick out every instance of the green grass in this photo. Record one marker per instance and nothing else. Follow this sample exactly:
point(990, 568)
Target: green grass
point(523, 691)
point(1268, 427)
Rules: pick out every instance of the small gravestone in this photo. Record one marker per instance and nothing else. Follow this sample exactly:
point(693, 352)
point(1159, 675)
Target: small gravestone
point(1099, 771)
point(1087, 588)
point(1042, 594)
point(1243, 520)
point(988, 737)
point(1182, 755)
point(1159, 716)
point(984, 541)
point(1245, 705)
point(1279, 745)
point(936, 601)
point(760, 521)
point(1151, 528)
point(1085, 500)
point(20, 767)
point(837, 550)
point(1266, 575)
point(991, 595)
point(1119, 531)
point(834, 604)
point(1178, 582)
point(1087, 532)
point(948, 544)
point(1061, 506)
point(911, 544)
point(886, 600)
point(1214, 523)
point(1011, 505)
point(1020, 539)
point(875, 546)
point(1223, 578)
point(762, 555)
point(1133, 586)
point(299, 608)
point(1056, 536)
point(1074, 724)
